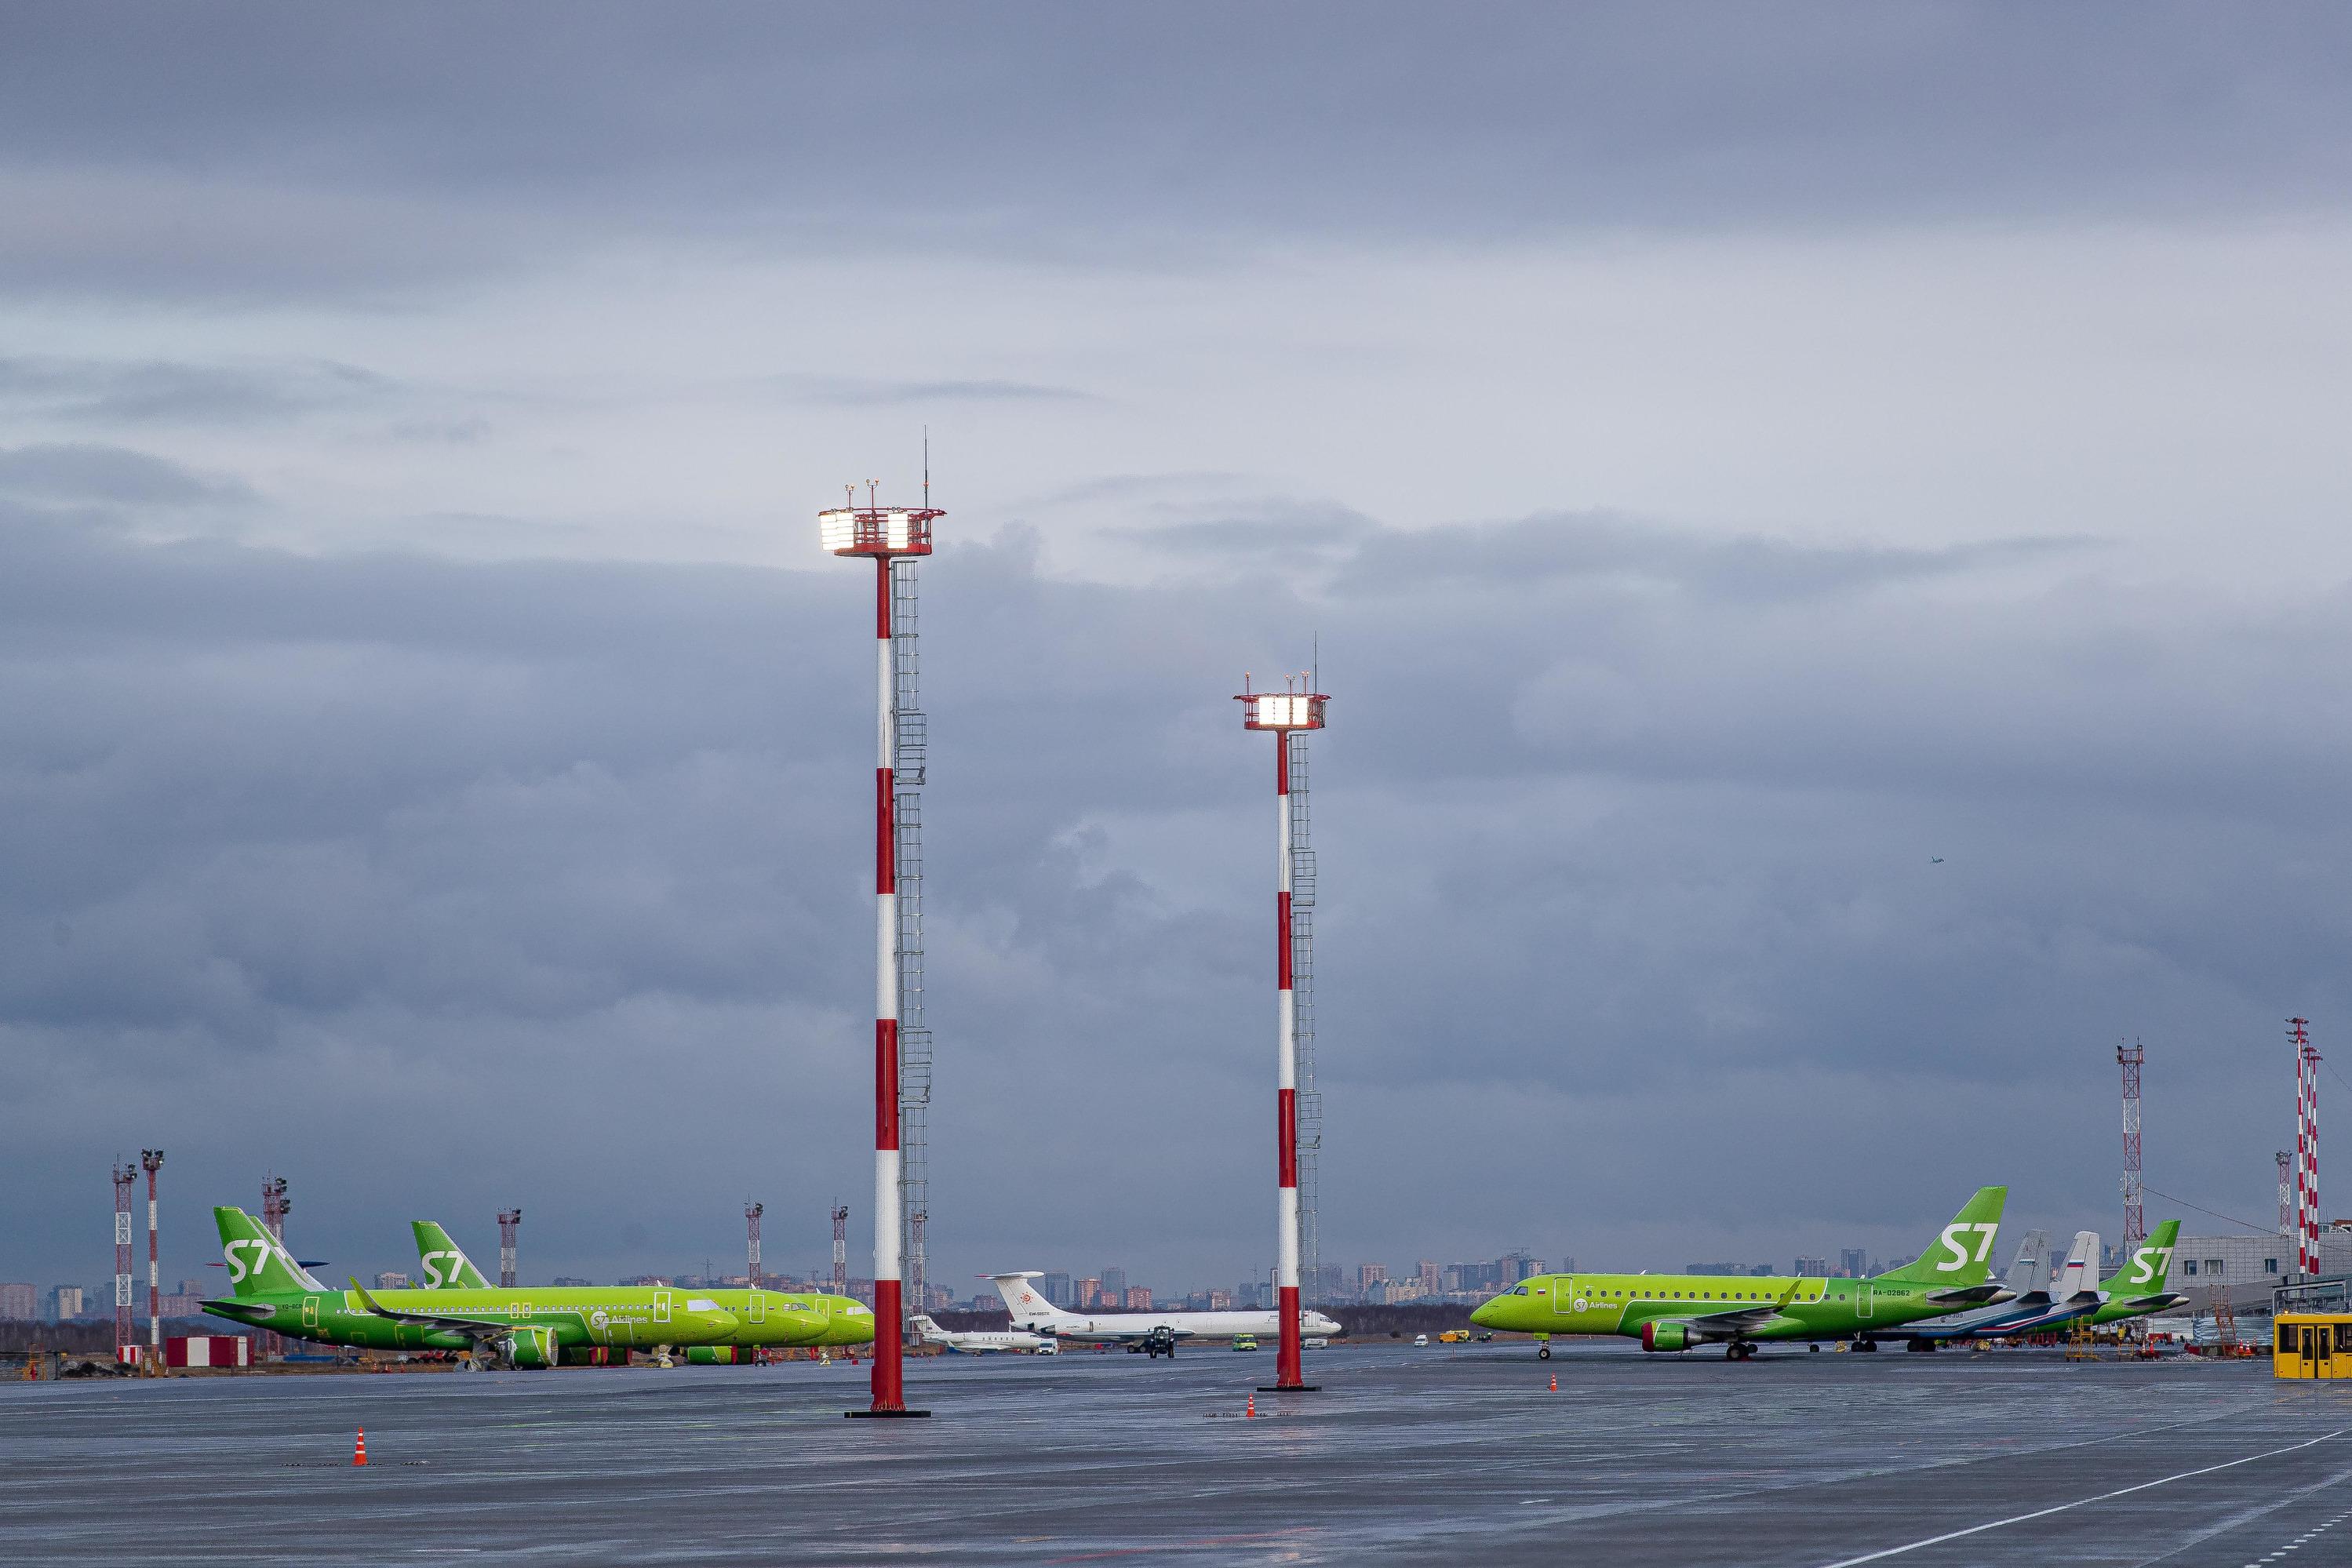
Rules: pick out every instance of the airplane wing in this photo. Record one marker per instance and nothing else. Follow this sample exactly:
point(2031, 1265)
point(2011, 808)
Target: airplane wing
point(1745, 1320)
point(1986, 1295)
point(455, 1322)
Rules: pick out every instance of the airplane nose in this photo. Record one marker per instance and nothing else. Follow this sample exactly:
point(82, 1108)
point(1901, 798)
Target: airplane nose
point(1484, 1315)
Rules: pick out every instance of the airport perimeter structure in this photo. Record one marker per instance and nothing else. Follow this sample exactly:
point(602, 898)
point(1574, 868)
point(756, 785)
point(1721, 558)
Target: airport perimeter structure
point(1290, 715)
point(893, 537)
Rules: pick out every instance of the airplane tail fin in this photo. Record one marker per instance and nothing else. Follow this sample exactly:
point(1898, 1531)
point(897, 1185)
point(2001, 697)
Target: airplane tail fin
point(926, 1327)
point(2030, 1268)
point(257, 1265)
point(2146, 1270)
point(1022, 1300)
point(447, 1267)
point(1957, 1257)
point(2079, 1275)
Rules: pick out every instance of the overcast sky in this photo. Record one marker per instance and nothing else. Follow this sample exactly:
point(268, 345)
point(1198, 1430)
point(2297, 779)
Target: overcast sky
point(1826, 528)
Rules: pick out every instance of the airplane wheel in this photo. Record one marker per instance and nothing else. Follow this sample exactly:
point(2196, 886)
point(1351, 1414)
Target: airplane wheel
point(1815, 1348)
point(1543, 1353)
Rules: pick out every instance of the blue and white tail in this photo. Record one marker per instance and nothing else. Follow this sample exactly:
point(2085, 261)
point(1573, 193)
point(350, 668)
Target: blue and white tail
point(2079, 1276)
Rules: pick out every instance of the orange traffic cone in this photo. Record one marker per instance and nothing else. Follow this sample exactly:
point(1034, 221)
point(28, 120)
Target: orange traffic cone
point(1252, 1411)
point(1555, 1383)
point(358, 1450)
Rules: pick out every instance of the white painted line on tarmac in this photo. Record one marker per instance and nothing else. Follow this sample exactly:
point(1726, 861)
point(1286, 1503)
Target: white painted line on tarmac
point(2079, 1502)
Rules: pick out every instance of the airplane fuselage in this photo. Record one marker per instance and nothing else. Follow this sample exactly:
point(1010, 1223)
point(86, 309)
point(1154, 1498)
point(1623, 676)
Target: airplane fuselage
point(622, 1316)
point(1624, 1305)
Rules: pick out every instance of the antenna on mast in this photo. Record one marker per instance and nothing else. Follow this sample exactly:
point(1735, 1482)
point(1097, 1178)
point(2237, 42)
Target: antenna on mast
point(926, 465)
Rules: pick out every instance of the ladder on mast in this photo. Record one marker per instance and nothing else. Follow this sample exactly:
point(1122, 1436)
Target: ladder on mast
point(907, 737)
point(1302, 1001)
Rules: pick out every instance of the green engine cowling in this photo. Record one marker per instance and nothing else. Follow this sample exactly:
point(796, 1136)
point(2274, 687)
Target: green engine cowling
point(1666, 1336)
point(717, 1355)
point(532, 1347)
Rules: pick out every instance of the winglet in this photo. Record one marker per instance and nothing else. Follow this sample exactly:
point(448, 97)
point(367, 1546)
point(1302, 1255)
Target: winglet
point(370, 1302)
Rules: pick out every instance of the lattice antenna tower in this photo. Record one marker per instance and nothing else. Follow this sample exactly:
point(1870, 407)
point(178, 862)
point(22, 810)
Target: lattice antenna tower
point(751, 1212)
point(2134, 1223)
point(509, 1218)
point(275, 1206)
point(125, 1178)
point(841, 1249)
point(2286, 1193)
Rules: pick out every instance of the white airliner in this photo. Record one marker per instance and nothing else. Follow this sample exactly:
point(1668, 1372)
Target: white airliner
point(981, 1342)
point(1154, 1333)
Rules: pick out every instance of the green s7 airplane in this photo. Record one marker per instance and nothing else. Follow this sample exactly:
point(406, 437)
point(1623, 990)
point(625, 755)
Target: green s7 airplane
point(762, 1318)
point(516, 1328)
point(1680, 1312)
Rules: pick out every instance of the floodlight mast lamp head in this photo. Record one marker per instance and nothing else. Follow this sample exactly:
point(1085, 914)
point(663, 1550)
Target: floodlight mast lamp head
point(876, 531)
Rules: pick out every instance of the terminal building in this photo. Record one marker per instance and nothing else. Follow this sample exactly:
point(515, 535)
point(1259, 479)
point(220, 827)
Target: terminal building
point(2249, 1266)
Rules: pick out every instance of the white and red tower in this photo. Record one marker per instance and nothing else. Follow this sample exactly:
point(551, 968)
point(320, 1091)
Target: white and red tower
point(509, 1221)
point(894, 539)
point(751, 1212)
point(125, 1178)
point(275, 1206)
point(151, 1161)
point(2306, 1147)
point(2134, 1226)
point(1289, 715)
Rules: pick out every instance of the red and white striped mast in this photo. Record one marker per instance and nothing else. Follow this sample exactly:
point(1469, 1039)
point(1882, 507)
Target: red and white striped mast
point(151, 1161)
point(885, 534)
point(2306, 1148)
point(1285, 713)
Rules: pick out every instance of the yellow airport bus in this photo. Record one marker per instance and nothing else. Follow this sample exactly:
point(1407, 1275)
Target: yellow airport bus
point(2313, 1344)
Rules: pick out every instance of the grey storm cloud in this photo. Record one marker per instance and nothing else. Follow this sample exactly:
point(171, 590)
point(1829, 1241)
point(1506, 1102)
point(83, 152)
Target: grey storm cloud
point(1808, 517)
point(92, 472)
point(140, 392)
point(444, 140)
point(338, 860)
point(851, 392)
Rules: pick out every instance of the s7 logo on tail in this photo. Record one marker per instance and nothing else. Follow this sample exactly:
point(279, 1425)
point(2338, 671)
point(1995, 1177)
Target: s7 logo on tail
point(2145, 1273)
point(1954, 1238)
point(239, 1268)
point(435, 1278)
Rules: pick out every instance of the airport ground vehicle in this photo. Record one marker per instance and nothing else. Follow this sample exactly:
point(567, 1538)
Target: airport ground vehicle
point(2311, 1344)
point(1157, 1333)
point(1245, 1341)
point(521, 1328)
point(763, 1318)
point(1316, 1341)
point(1422, 1341)
point(1679, 1311)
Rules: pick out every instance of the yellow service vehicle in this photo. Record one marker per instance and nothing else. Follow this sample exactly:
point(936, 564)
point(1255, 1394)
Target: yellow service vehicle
point(2313, 1344)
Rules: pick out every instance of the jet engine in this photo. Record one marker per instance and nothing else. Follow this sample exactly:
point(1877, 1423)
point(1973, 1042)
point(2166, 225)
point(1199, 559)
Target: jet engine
point(529, 1348)
point(1667, 1337)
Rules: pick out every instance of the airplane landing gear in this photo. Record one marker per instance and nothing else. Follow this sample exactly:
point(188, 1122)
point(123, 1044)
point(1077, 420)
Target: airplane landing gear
point(1543, 1353)
point(1738, 1351)
point(1861, 1344)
